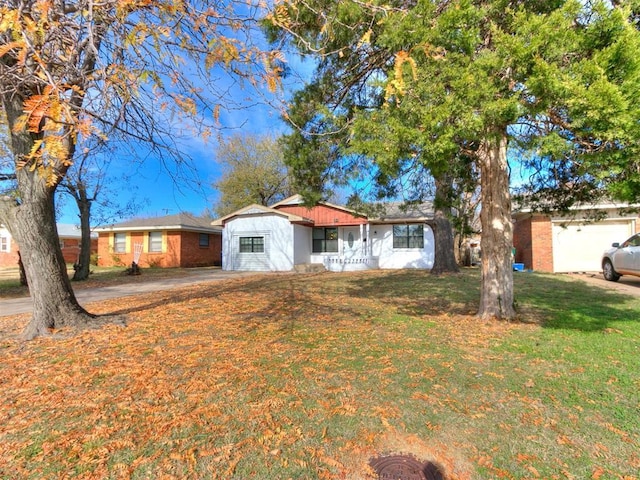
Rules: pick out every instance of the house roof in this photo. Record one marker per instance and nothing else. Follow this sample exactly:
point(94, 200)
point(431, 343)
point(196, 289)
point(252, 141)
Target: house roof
point(180, 221)
point(68, 230)
point(395, 212)
point(520, 210)
point(255, 209)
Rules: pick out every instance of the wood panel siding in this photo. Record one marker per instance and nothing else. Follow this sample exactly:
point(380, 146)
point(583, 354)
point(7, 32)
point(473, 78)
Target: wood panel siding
point(324, 215)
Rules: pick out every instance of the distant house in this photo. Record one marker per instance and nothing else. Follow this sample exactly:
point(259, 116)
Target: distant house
point(570, 243)
point(181, 240)
point(289, 235)
point(69, 243)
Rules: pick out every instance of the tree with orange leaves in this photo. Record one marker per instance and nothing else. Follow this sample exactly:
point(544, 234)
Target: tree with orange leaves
point(71, 70)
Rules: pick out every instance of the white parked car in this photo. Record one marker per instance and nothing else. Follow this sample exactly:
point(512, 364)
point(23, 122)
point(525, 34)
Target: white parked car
point(622, 259)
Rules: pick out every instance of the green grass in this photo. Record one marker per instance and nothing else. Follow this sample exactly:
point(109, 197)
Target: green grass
point(309, 376)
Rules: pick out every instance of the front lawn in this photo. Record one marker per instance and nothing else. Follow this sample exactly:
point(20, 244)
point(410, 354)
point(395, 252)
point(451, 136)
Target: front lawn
point(310, 376)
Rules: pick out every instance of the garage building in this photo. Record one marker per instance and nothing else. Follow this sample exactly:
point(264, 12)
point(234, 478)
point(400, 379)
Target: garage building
point(574, 242)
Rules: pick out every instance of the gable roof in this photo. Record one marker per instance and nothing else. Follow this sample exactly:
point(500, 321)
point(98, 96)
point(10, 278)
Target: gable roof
point(180, 221)
point(298, 200)
point(255, 209)
point(393, 212)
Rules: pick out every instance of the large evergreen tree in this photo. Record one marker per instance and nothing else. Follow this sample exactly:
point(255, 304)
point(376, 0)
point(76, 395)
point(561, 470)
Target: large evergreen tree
point(469, 77)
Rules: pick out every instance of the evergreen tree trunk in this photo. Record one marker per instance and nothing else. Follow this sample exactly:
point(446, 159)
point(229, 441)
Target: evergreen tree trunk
point(496, 299)
point(445, 259)
point(83, 266)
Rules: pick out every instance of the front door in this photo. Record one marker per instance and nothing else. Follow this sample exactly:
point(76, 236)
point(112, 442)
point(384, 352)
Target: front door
point(351, 242)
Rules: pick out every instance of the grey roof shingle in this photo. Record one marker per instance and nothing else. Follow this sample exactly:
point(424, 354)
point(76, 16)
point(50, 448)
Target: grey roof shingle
point(180, 221)
point(401, 211)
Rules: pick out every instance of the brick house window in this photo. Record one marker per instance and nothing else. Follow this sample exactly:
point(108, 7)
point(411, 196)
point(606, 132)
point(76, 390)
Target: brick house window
point(155, 242)
point(204, 240)
point(325, 239)
point(120, 242)
point(4, 243)
point(408, 236)
point(251, 244)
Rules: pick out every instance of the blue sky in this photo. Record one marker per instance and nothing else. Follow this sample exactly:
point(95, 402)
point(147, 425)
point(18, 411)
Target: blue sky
point(157, 191)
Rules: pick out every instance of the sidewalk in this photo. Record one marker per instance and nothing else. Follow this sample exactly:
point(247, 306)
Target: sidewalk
point(17, 306)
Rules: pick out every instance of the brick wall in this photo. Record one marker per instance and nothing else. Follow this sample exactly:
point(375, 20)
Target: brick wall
point(180, 249)
point(533, 240)
point(193, 255)
point(522, 241)
point(10, 258)
point(70, 251)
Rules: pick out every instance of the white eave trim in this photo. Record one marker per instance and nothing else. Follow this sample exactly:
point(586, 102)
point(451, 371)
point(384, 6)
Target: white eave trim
point(158, 228)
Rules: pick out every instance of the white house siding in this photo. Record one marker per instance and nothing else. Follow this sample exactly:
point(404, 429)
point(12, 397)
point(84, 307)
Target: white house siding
point(278, 243)
point(393, 258)
point(5, 240)
point(302, 241)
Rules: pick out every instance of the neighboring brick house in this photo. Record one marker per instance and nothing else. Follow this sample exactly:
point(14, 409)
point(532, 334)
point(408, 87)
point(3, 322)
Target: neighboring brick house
point(181, 240)
point(69, 243)
point(570, 243)
point(70, 239)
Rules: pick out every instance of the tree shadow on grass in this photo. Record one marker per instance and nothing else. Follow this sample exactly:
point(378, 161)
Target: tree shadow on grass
point(553, 301)
point(566, 303)
point(288, 302)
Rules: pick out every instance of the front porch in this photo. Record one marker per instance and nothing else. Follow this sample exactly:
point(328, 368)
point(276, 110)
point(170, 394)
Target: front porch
point(336, 263)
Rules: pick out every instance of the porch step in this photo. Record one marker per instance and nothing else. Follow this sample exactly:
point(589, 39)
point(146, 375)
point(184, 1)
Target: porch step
point(309, 268)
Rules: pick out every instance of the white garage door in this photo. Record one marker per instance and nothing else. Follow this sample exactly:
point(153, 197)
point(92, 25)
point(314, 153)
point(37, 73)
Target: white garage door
point(578, 248)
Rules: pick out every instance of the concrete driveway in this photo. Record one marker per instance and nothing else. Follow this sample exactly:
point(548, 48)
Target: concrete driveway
point(627, 284)
point(16, 306)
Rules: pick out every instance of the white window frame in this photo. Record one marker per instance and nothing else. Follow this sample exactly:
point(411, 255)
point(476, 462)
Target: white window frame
point(119, 247)
point(5, 243)
point(155, 244)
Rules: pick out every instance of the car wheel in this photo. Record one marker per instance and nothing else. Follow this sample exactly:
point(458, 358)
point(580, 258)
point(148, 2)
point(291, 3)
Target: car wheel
point(609, 272)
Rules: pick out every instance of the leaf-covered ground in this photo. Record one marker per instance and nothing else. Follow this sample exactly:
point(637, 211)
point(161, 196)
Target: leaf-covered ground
point(310, 376)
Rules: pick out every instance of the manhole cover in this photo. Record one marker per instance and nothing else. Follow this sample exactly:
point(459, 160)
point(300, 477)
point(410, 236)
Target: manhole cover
point(405, 467)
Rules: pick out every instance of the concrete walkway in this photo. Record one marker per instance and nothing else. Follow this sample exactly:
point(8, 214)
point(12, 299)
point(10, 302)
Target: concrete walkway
point(16, 306)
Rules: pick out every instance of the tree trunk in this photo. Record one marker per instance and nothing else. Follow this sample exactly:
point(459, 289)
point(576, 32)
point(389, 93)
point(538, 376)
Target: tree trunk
point(34, 227)
point(445, 259)
point(83, 265)
point(496, 299)
point(23, 274)
point(31, 221)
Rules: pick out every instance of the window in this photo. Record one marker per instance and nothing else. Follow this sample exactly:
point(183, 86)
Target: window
point(251, 244)
point(61, 243)
point(325, 240)
point(119, 242)
point(408, 236)
point(155, 242)
point(632, 242)
point(204, 240)
point(4, 243)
